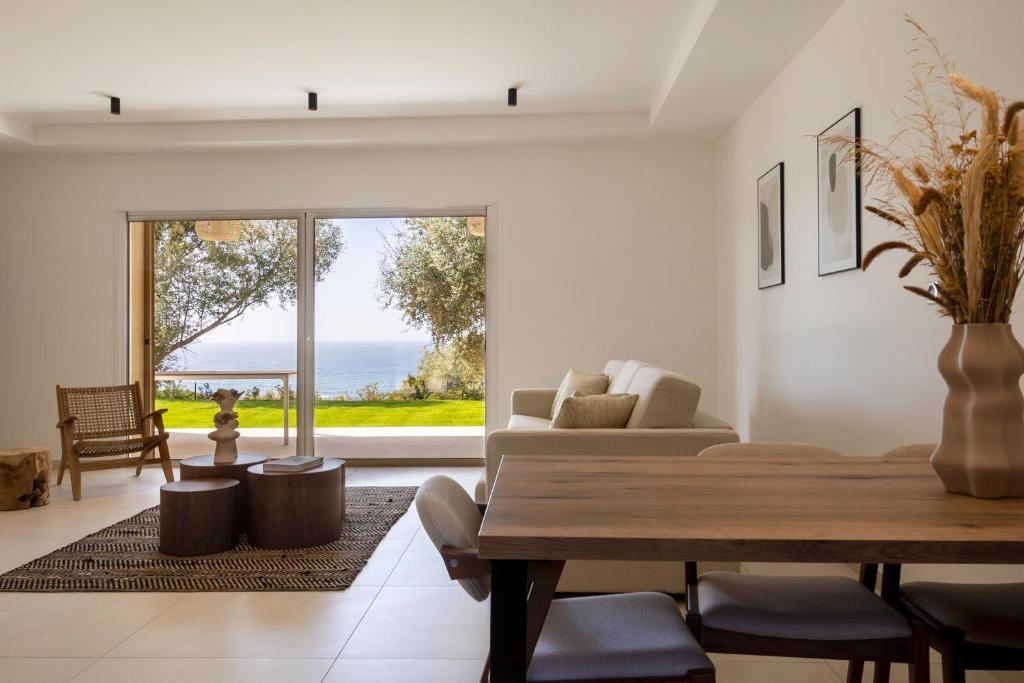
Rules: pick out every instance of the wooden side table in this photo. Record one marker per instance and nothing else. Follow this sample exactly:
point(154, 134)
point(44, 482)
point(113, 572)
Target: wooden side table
point(296, 509)
point(198, 517)
point(203, 467)
point(24, 478)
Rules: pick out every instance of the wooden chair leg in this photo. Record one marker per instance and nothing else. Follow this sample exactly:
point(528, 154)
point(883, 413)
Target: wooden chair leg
point(142, 461)
point(952, 658)
point(919, 669)
point(882, 672)
point(60, 469)
point(854, 672)
point(165, 461)
point(76, 477)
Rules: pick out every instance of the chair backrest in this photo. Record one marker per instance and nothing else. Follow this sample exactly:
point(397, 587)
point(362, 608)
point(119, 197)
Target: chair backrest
point(769, 450)
point(451, 518)
point(913, 451)
point(102, 411)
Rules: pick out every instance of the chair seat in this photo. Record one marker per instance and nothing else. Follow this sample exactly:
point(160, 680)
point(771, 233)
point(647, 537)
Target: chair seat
point(615, 637)
point(988, 614)
point(97, 447)
point(802, 608)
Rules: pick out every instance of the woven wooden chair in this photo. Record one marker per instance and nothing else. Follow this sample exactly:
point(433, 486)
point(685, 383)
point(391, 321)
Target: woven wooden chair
point(100, 422)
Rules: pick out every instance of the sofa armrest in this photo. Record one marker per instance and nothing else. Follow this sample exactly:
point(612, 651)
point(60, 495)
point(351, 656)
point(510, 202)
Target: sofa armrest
point(619, 442)
point(533, 402)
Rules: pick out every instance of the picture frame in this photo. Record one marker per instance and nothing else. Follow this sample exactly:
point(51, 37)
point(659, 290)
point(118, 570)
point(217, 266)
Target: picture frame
point(771, 228)
point(839, 199)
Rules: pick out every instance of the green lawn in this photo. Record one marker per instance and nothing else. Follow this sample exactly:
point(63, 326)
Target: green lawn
point(182, 413)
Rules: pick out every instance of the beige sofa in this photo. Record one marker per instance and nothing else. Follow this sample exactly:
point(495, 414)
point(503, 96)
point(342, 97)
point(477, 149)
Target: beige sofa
point(665, 421)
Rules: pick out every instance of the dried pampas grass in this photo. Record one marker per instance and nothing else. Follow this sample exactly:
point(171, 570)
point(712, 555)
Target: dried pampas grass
point(957, 196)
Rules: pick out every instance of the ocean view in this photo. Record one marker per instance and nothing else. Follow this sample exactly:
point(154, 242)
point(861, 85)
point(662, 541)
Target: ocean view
point(342, 368)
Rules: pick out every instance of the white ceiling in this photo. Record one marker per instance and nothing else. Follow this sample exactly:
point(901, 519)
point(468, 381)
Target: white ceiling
point(203, 72)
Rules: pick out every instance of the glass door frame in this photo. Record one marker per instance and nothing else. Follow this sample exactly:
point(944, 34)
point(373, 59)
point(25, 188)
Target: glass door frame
point(305, 362)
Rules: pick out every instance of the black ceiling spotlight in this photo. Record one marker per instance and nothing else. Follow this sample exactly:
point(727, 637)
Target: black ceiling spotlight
point(115, 106)
point(312, 101)
point(513, 97)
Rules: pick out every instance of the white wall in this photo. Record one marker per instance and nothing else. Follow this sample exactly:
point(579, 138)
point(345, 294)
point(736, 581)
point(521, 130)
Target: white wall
point(846, 360)
point(600, 250)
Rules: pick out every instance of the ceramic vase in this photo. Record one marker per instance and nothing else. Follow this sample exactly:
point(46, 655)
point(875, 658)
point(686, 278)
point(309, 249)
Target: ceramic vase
point(981, 451)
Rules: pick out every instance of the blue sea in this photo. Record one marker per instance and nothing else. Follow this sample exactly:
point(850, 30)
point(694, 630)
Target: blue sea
point(342, 368)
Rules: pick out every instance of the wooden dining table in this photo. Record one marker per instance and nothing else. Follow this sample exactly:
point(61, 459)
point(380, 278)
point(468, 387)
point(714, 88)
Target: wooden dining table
point(743, 509)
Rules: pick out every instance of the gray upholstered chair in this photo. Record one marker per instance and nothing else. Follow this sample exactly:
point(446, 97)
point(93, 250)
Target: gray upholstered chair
point(821, 617)
point(973, 626)
point(635, 636)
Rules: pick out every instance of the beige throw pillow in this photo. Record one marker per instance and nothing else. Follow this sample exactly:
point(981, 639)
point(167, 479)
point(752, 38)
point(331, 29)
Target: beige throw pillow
point(574, 381)
point(603, 411)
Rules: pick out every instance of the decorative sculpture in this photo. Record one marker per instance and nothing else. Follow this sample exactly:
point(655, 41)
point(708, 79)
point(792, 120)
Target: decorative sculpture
point(226, 422)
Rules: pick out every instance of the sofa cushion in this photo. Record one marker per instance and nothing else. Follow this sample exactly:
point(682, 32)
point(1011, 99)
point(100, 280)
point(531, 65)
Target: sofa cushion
point(586, 384)
point(528, 422)
point(603, 411)
point(666, 400)
point(621, 375)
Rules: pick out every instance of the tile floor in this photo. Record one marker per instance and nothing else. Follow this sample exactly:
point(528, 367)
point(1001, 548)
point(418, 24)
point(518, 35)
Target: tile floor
point(402, 621)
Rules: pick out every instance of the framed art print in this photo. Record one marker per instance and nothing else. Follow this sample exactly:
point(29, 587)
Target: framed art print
point(838, 199)
point(771, 253)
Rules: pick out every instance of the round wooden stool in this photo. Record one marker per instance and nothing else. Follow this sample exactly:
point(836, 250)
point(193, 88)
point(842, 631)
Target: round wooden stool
point(296, 509)
point(198, 517)
point(203, 467)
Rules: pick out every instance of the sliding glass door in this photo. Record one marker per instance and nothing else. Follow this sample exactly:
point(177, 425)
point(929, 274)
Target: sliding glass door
point(347, 336)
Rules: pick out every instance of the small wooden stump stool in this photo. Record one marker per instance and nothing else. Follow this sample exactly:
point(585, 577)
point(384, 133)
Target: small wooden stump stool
point(24, 478)
point(203, 467)
point(296, 509)
point(198, 517)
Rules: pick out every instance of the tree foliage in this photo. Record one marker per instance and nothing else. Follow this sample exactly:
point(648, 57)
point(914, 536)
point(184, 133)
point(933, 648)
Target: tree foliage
point(200, 285)
point(433, 272)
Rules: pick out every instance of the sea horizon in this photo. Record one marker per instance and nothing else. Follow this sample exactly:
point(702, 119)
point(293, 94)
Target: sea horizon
point(343, 368)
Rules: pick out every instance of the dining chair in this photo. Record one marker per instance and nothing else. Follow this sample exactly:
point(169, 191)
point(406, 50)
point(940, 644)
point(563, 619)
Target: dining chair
point(99, 422)
point(972, 626)
point(820, 617)
point(595, 639)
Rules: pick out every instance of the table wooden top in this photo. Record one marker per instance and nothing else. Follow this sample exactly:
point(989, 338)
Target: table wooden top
point(738, 509)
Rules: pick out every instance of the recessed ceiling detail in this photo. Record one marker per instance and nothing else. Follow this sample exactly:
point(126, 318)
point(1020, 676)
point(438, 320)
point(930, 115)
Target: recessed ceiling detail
point(220, 73)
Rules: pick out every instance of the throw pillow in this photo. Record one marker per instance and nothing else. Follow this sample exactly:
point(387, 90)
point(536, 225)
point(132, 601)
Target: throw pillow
point(574, 381)
point(602, 411)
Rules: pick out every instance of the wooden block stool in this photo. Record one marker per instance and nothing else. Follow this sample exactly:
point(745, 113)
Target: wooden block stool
point(24, 478)
point(198, 517)
point(296, 509)
point(203, 467)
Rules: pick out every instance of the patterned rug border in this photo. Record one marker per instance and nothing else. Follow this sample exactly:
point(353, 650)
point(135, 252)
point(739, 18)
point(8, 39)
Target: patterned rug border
point(124, 557)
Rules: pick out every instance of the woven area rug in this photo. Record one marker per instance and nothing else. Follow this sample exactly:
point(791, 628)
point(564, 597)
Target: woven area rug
point(125, 557)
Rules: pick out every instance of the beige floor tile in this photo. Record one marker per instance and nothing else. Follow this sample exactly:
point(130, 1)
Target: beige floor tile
point(468, 477)
point(421, 565)
point(405, 671)
point(407, 526)
point(115, 670)
point(280, 625)
point(394, 476)
point(421, 623)
point(41, 670)
point(16, 553)
point(773, 671)
point(898, 673)
point(382, 562)
point(74, 624)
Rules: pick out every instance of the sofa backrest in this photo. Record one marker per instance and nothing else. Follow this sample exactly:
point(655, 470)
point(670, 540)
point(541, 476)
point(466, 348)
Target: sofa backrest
point(665, 400)
point(620, 374)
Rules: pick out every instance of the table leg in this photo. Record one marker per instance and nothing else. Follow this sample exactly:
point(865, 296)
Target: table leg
point(508, 621)
point(287, 399)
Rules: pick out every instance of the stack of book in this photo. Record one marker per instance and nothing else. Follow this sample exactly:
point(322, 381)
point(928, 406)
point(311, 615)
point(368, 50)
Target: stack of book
point(295, 463)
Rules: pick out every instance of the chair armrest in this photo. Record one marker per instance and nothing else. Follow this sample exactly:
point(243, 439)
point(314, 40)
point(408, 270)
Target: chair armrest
point(533, 402)
point(616, 442)
point(157, 416)
point(67, 422)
